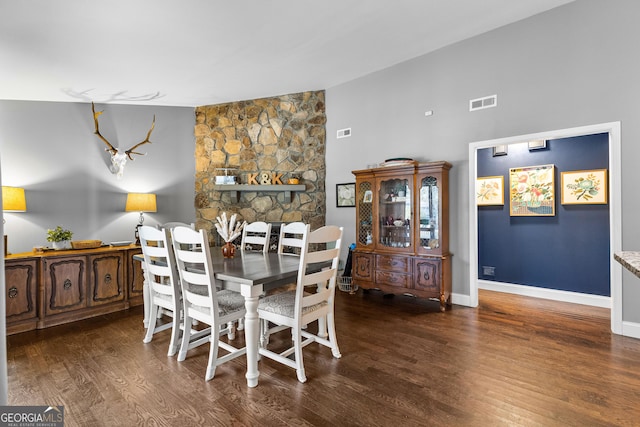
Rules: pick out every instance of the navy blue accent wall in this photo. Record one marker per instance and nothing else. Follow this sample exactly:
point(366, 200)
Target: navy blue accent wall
point(568, 251)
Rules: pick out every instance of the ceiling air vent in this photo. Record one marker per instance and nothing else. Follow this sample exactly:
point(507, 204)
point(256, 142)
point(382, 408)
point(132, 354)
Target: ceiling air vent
point(482, 103)
point(344, 133)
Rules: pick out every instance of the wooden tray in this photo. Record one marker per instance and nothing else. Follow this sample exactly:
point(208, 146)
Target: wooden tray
point(86, 244)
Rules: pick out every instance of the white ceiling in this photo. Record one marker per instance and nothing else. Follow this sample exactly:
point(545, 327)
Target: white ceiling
point(204, 52)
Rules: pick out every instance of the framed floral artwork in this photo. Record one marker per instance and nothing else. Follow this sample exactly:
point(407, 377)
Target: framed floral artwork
point(531, 191)
point(490, 191)
point(346, 195)
point(584, 187)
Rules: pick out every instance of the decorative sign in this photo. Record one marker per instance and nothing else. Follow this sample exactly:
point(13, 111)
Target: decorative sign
point(265, 178)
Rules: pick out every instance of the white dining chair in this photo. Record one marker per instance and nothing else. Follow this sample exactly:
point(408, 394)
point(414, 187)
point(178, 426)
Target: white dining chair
point(291, 238)
point(163, 284)
point(255, 236)
point(202, 301)
point(295, 309)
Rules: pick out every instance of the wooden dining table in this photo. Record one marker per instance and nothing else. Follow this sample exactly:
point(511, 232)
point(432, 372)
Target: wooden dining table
point(250, 273)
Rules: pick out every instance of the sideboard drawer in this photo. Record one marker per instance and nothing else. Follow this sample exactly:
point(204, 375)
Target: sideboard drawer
point(393, 263)
point(391, 278)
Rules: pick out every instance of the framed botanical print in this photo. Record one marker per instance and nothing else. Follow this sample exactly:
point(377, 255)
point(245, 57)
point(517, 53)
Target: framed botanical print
point(490, 190)
point(346, 195)
point(531, 191)
point(584, 187)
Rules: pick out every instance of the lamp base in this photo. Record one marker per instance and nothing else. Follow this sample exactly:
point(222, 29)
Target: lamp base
point(137, 234)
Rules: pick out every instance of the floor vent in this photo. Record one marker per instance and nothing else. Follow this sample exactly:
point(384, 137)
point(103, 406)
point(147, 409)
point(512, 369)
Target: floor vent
point(344, 133)
point(482, 103)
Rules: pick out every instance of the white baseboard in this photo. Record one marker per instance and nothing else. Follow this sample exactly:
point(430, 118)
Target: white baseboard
point(461, 299)
point(551, 294)
point(630, 329)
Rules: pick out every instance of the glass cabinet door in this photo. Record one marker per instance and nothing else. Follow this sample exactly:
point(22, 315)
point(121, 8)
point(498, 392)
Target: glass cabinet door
point(394, 213)
point(428, 208)
point(364, 213)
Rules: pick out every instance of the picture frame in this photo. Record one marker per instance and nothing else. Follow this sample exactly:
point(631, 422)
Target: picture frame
point(346, 195)
point(490, 191)
point(368, 196)
point(532, 191)
point(584, 187)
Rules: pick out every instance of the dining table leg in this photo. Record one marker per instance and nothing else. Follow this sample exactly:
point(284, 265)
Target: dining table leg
point(251, 331)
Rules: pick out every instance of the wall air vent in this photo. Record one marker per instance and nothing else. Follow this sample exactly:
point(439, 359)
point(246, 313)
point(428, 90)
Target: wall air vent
point(482, 103)
point(344, 133)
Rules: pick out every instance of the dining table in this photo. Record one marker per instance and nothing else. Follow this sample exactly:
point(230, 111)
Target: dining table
point(250, 273)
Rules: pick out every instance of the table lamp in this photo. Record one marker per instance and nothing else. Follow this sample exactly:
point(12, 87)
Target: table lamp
point(13, 200)
point(140, 202)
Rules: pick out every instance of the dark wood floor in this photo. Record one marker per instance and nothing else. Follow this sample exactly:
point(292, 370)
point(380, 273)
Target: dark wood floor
point(513, 361)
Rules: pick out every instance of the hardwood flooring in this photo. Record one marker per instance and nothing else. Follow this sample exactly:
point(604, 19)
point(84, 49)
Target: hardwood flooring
point(513, 361)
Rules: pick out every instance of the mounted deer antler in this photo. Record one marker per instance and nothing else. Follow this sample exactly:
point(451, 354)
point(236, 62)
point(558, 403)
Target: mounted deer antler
point(118, 159)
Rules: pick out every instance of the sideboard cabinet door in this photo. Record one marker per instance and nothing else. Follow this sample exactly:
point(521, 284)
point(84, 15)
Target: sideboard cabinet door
point(21, 294)
point(106, 278)
point(64, 284)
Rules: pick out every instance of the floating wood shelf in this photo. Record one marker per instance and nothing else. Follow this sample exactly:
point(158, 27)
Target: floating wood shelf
point(237, 189)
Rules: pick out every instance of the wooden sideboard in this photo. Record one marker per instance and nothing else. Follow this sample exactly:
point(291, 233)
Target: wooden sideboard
point(54, 287)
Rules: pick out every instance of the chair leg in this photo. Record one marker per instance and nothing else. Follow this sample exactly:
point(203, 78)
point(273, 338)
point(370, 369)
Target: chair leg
point(297, 343)
point(213, 356)
point(240, 324)
point(264, 333)
point(186, 335)
point(151, 325)
point(231, 334)
point(175, 334)
point(331, 325)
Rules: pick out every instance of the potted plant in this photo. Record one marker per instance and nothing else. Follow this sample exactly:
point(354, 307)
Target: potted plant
point(60, 238)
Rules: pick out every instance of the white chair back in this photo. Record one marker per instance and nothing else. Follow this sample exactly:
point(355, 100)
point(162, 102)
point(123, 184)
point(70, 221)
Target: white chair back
point(327, 241)
point(291, 238)
point(193, 259)
point(162, 280)
point(255, 236)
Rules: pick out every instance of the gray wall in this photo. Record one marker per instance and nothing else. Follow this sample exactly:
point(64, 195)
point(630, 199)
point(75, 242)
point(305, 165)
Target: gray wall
point(50, 149)
point(576, 65)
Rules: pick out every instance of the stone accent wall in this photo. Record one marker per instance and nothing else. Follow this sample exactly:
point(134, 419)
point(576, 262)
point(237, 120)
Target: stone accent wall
point(284, 134)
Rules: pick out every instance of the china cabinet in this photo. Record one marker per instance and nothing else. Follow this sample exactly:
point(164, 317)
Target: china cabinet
point(402, 230)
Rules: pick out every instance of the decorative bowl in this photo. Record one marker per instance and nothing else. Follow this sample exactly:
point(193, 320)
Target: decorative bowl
point(398, 223)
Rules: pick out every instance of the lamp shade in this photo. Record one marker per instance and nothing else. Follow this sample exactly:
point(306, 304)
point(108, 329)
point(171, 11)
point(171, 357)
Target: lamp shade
point(141, 202)
point(13, 199)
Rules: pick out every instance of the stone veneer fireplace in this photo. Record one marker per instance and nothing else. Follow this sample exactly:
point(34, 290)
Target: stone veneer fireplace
point(284, 134)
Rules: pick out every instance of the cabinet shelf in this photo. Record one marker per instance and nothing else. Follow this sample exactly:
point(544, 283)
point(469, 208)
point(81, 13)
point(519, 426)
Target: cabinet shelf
point(236, 189)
